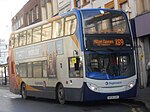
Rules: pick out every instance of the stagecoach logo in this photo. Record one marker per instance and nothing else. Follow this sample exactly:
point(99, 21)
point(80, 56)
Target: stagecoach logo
point(113, 83)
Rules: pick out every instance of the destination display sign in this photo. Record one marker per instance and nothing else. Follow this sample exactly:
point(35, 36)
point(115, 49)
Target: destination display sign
point(102, 41)
point(108, 42)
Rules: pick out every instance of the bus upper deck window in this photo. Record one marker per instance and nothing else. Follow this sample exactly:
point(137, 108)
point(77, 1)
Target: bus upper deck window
point(58, 28)
point(37, 34)
point(29, 36)
point(16, 40)
point(47, 32)
point(22, 38)
point(70, 24)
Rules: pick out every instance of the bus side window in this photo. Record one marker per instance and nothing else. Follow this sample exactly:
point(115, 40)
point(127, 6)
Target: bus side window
point(37, 34)
point(16, 40)
point(58, 28)
point(46, 31)
point(29, 36)
point(17, 69)
point(22, 38)
point(75, 67)
point(70, 24)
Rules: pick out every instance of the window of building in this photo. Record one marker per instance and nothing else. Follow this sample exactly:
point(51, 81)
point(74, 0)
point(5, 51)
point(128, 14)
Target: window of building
point(49, 10)
point(32, 16)
point(55, 7)
point(29, 36)
point(28, 19)
point(19, 23)
point(37, 11)
point(58, 28)
point(81, 3)
point(85, 2)
point(37, 69)
point(21, 20)
point(70, 25)
point(110, 5)
point(124, 6)
point(47, 31)
point(22, 38)
point(146, 5)
point(78, 3)
point(44, 13)
point(37, 34)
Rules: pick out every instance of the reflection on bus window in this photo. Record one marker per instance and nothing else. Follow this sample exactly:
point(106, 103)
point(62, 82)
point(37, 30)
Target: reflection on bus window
point(107, 22)
point(29, 69)
point(58, 28)
point(22, 38)
point(29, 36)
point(23, 69)
point(37, 69)
point(47, 31)
point(113, 65)
point(44, 67)
point(75, 67)
point(37, 34)
point(70, 25)
point(16, 40)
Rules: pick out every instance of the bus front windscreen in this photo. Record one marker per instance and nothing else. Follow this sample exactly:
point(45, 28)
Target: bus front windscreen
point(109, 66)
point(105, 22)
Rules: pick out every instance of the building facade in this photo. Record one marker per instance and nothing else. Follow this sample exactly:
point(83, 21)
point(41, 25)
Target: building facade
point(3, 52)
point(34, 11)
point(142, 25)
point(29, 14)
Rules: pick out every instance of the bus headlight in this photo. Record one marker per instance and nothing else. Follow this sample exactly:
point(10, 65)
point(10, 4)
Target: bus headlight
point(131, 84)
point(93, 87)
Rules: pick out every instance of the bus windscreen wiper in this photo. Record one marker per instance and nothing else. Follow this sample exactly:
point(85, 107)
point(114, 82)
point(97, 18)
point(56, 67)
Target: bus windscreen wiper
point(91, 50)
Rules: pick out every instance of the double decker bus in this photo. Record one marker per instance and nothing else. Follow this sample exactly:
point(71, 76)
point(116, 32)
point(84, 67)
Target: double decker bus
point(82, 55)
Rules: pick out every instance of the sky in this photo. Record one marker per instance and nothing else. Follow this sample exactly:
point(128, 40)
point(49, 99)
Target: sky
point(8, 9)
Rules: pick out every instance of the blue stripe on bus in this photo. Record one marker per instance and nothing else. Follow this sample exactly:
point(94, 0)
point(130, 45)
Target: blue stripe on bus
point(90, 95)
point(79, 32)
point(103, 76)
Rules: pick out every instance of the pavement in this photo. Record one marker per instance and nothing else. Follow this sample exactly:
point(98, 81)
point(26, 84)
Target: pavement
point(143, 96)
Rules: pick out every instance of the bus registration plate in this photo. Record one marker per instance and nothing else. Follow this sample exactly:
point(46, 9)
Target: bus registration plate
point(112, 97)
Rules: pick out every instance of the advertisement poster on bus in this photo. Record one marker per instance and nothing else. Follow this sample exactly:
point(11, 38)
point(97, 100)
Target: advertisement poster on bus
point(51, 59)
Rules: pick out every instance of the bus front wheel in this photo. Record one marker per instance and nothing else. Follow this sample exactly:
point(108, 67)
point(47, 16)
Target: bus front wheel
point(61, 94)
point(23, 91)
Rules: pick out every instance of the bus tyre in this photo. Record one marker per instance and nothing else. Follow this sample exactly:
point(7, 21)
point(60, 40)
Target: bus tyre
point(61, 94)
point(23, 91)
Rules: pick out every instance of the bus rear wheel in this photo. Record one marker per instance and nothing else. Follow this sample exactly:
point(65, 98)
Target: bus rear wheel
point(61, 94)
point(23, 91)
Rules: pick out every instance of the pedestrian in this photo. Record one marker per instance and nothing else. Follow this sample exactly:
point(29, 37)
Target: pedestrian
point(148, 73)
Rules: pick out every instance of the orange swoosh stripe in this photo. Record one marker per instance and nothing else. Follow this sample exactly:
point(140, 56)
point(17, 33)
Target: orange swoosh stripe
point(29, 88)
point(74, 38)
